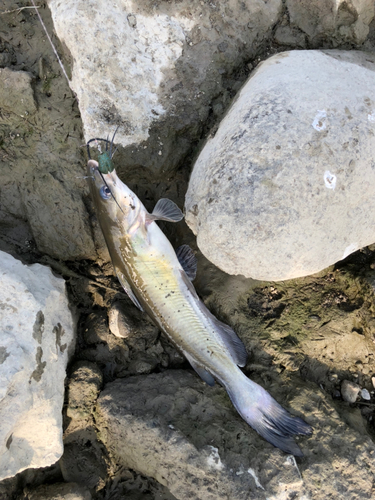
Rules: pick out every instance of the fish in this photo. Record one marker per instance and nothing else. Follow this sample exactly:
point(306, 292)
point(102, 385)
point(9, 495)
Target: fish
point(158, 280)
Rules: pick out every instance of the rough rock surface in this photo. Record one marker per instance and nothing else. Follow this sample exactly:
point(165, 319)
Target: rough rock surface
point(83, 460)
point(41, 189)
point(137, 351)
point(340, 20)
point(135, 62)
point(279, 191)
point(146, 424)
point(37, 339)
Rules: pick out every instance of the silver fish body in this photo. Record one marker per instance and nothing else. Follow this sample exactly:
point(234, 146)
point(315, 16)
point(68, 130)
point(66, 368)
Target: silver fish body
point(150, 272)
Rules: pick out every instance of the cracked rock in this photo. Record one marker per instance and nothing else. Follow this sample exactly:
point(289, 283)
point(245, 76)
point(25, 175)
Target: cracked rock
point(36, 342)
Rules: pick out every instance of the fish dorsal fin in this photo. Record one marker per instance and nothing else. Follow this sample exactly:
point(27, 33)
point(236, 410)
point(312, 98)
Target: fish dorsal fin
point(127, 288)
point(165, 210)
point(202, 372)
point(188, 261)
point(232, 342)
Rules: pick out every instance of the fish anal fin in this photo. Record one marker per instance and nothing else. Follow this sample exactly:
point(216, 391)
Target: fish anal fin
point(202, 372)
point(125, 285)
point(231, 341)
point(188, 261)
point(165, 210)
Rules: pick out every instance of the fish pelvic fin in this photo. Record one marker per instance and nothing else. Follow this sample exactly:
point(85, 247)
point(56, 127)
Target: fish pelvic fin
point(127, 288)
point(265, 415)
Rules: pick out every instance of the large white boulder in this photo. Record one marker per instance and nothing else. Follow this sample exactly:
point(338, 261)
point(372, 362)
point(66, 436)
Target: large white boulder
point(286, 186)
point(136, 62)
point(37, 336)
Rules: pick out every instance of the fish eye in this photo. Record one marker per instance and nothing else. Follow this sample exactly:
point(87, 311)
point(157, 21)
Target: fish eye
point(105, 192)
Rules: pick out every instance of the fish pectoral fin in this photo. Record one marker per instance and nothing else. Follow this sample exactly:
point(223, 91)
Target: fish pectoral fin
point(188, 261)
point(125, 285)
point(165, 210)
point(202, 372)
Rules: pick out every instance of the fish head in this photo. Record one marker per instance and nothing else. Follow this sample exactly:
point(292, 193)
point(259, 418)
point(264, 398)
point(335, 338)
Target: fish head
point(112, 198)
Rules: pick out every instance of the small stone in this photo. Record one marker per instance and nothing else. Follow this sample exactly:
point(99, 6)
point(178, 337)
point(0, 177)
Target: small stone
point(96, 328)
point(349, 391)
point(5, 59)
point(132, 20)
point(373, 381)
point(365, 394)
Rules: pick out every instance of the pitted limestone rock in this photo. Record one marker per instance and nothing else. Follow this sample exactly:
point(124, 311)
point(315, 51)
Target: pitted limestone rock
point(37, 339)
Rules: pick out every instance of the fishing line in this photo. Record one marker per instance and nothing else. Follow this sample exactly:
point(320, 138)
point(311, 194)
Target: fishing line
point(67, 79)
point(53, 48)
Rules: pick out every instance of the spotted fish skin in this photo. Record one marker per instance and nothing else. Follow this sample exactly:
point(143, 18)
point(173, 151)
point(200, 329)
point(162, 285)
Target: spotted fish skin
point(150, 272)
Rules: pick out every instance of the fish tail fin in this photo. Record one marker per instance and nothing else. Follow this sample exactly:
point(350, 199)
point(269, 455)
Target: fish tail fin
point(264, 414)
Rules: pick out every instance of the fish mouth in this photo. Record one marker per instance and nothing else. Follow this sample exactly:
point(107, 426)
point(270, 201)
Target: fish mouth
point(99, 180)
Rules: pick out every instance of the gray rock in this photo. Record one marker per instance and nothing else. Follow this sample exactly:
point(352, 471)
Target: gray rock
point(142, 60)
point(64, 237)
point(340, 20)
point(186, 435)
point(279, 191)
point(36, 342)
point(285, 35)
point(18, 96)
point(59, 491)
point(83, 460)
point(349, 391)
point(84, 387)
